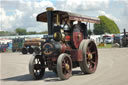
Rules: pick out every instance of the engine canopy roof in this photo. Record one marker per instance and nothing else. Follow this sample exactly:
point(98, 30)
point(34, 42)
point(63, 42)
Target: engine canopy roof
point(42, 17)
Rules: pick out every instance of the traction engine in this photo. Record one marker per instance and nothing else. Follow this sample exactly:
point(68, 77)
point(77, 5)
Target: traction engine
point(66, 46)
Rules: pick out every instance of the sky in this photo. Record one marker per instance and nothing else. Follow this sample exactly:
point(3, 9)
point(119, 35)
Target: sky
point(22, 13)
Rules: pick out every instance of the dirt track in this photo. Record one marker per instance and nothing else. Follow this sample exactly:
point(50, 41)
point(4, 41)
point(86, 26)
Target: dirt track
point(112, 70)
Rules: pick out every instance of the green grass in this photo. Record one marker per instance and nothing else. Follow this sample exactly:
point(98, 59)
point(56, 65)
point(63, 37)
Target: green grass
point(107, 46)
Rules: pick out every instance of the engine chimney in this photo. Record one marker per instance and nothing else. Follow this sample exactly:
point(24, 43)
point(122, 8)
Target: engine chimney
point(124, 32)
point(50, 20)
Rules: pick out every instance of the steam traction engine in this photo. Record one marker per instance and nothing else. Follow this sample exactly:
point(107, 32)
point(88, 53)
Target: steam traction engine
point(66, 46)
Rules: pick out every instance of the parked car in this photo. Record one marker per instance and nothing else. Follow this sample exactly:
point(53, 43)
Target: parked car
point(109, 40)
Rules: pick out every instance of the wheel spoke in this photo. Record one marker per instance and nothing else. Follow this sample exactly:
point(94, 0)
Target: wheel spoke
point(90, 66)
point(37, 61)
point(92, 62)
point(64, 61)
point(91, 44)
point(88, 51)
point(67, 61)
point(36, 71)
point(63, 66)
point(64, 71)
point(37, 66)
point(69, 71)
point(94, 52)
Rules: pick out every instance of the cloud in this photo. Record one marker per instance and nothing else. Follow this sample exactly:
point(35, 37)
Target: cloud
point(124, 14)
point(5, 21)
point(109, 16)
point(81, 5)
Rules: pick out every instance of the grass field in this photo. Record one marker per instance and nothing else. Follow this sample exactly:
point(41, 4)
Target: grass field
point(105, 46)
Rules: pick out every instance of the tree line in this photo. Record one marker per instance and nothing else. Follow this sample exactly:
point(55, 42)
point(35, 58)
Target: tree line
point(20, 31)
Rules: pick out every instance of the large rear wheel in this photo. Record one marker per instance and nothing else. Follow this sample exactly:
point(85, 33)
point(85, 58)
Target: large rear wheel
point(90, 56)
point(36, 67)
point(64, 66)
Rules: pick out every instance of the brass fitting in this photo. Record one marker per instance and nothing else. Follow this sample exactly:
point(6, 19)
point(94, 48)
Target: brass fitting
point(90, 56)
point(49, 9)
point(67, 67)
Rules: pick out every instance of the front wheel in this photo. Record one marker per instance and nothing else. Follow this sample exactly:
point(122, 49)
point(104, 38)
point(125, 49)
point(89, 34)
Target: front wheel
point(36, 67)
point(64, 66)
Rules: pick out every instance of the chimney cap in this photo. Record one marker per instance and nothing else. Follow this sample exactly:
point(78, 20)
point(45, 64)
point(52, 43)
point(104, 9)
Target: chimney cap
point(49, 8)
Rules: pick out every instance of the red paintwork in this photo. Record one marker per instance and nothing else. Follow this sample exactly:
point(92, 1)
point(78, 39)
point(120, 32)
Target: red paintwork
point(77, 38)
point(76, 55)
point(67, 38)
point(54, 58)
point(65, 48)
